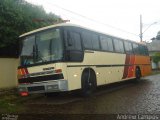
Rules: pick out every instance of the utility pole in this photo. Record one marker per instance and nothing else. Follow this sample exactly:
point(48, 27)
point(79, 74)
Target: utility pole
point(141, 26)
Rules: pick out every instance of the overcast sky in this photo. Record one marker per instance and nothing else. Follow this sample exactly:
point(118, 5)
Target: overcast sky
point(116, 17)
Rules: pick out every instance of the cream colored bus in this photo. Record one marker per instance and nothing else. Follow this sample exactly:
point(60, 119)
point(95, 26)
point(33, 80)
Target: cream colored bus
point(66, 57)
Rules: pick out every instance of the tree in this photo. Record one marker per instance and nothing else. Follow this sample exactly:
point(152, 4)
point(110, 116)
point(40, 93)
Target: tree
point(156, 57)
point(17, 17)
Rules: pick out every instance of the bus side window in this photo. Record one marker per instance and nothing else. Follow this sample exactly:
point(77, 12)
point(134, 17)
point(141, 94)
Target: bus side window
point(110, 44)
point(95, 42)
point(121, 46)
point(128, 47)
point(135, 48)
point(141, 50)
point(118, 44)
point(146, 50)
point(76, 40)
point(106, 43)
point(87, 39)
point(69, 40)
point(73, 40)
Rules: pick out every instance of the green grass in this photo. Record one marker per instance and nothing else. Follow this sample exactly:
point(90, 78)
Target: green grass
point(14, 103)
point(154, 72)
point(9, 104)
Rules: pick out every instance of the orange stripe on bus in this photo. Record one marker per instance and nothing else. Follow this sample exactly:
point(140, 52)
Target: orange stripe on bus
point(131, 68)
point(125, 73)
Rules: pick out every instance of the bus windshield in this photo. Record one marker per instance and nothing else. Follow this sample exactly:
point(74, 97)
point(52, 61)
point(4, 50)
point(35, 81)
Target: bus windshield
point(42, 47)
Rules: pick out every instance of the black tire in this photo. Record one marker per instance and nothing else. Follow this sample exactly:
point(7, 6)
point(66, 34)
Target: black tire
point(88, 82)
point(138, 74)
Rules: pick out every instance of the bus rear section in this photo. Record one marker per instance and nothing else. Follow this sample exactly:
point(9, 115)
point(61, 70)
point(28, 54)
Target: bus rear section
point(42, 79)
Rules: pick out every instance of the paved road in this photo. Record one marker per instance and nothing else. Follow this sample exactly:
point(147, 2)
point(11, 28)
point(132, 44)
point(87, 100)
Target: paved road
point(127, 97)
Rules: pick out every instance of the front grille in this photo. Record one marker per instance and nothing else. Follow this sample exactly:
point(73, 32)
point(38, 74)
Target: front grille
point(41, 78)
point(36, 88)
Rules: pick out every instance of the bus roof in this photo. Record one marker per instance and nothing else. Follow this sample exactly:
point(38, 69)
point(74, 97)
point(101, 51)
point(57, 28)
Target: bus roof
point(69, 24)
point(45, 28)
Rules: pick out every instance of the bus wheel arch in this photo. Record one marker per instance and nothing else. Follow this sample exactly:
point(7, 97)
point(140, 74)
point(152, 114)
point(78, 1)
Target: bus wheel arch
point(88, 82)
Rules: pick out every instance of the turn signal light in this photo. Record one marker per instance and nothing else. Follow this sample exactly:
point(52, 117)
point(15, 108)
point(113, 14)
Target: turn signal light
point(58, 71)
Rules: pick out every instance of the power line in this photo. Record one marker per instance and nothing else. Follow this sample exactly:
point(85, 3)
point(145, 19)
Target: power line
point(77, 14)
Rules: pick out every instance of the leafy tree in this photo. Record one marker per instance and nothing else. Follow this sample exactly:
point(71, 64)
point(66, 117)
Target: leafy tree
point(156, 57)
point(19, 16)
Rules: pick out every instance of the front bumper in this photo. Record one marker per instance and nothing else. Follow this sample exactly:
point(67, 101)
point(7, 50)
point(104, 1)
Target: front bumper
point(44, 87)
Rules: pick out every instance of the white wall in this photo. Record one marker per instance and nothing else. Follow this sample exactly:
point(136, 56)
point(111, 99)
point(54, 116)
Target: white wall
point(8, 72)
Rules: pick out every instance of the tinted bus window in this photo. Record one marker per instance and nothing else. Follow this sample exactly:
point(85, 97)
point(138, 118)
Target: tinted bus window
point(135, 48)
point(95, 42)
point(118, 44)
point(110, 44)
point(74, 41)
point(87, 39)
point(141, 50)
point(128, 47)
point(146, 50)
point(106, 43)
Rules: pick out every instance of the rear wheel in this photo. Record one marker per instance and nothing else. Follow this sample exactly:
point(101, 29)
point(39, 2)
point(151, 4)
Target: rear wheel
point(88, 82)
point(138, 74)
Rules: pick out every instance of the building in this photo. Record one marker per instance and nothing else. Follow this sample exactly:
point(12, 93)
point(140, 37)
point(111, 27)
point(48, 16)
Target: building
point(153, 48)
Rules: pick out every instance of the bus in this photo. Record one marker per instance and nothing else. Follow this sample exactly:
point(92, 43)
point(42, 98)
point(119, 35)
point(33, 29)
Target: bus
point(66, 57)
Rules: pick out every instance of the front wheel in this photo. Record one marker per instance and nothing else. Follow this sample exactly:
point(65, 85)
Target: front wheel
point(89, 84)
